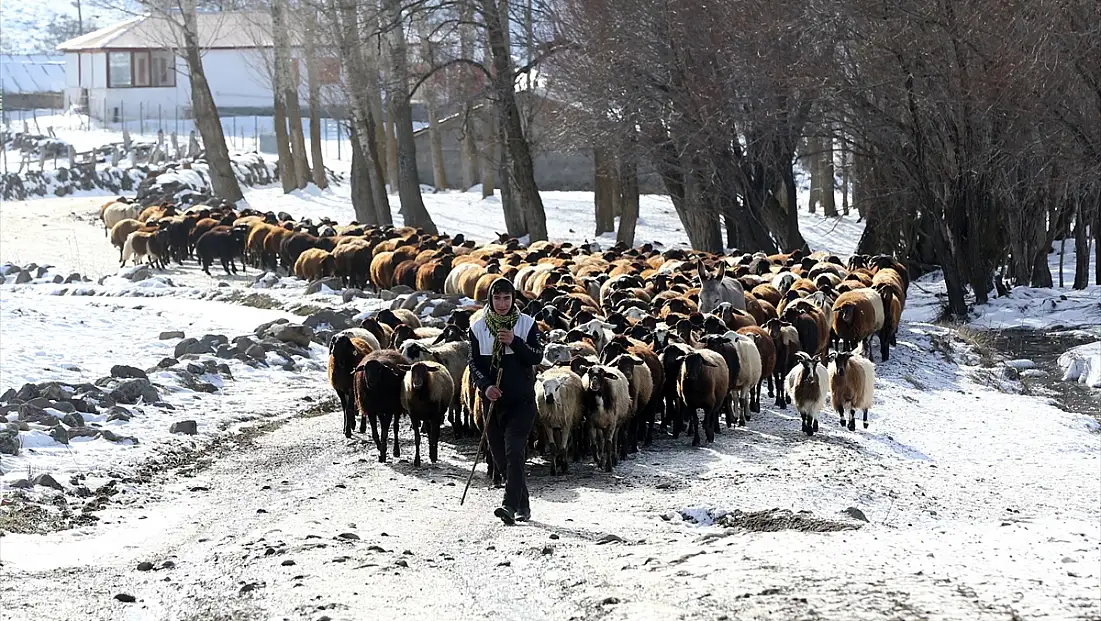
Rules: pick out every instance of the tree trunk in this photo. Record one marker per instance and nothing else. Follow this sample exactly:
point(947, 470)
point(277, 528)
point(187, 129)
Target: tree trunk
point(514, 217)
point(374, 94)
point(223, 180)
point(825, 172)
point(859, 184)
point(391, 150)
point(813, 163)
point(409, 186)
point(489, 151)
point(522, 169)
point(362, 200)
point(360, 82)
point(282, 141)
point(313, 86)
point(1097, 239)
point(845, 178)
point(289, 81)
point(469, 146)
point(1081, 246)
point(957, 301)
point(628, 176)
point(603, 189)
point(794, 237)
point(439, 172)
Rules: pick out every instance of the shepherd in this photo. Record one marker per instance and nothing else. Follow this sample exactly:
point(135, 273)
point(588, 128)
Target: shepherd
point(506, 343)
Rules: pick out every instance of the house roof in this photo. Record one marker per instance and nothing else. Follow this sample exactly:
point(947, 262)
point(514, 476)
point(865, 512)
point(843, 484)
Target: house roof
point(32, 73)
point(229, 29)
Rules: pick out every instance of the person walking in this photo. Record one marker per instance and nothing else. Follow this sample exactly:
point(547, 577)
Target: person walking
point(504, 340)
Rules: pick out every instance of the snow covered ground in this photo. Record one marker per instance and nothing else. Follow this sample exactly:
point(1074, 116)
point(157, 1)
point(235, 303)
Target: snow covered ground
point(1083, 365)
point(980, 502)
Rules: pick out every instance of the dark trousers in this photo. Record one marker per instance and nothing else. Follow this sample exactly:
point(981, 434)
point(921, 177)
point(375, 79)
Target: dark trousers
point(508, 432)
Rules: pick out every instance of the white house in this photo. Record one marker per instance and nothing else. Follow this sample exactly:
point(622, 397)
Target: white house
point(134, 69)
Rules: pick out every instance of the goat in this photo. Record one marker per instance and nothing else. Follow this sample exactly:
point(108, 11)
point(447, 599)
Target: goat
point(852, 386)
point(808, 382)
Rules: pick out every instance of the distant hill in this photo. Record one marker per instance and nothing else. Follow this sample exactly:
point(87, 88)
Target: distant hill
point(37, 26)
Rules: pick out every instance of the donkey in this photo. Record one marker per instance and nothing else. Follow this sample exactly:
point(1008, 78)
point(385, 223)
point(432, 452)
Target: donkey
point(716, 289)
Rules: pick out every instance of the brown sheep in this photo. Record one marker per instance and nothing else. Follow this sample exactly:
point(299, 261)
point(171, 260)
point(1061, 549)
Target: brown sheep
point(432, 275)
point(703, 383)
point(378, 388)
point(426, 394)
point(121, 231)
point(314, 264)
point(767, 292)
point(345, 354)
point(352, 263)
point(785, 342)
point(857, 315)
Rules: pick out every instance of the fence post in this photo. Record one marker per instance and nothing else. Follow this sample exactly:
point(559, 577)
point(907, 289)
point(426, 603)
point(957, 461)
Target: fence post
point(141, 117)
point(122, 114)
point(160, 119)
point(338, 140)
point(256, 131)
point(177, 109)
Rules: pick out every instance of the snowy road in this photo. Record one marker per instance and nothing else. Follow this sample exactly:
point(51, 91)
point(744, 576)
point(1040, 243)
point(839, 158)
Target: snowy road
point(964, 524)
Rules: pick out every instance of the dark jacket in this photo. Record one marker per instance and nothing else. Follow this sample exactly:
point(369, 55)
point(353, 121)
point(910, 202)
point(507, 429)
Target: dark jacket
point(518, 361)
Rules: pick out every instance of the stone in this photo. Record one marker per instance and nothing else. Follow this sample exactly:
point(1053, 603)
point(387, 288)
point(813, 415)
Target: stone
point(8, 269)
point(192, 381)
point(348, 536)
point(171, 334)
point(386, 295)
point(64, 407)
point(263, 329)
point(73, 419)
point(27, 392)
point(34, 414)
point(137, 273)
point(126, 598)
point(74, 277)
point(855, 514)
point(40, 402)
point(1011, 373)
point(124, 371)
point(145, 566)
point(59, 434)
point(167, 362)
point(336, 320)
point(188, 427)
point(256, 352)
point(57, 279)
point(243, 343)
point(31, 267)
point(350, 294)
point(41, 271)
point(9, 443)
point(23, 277)
point(443, 308)
point(401, 289)
point(293, 333)
point(333, 283)
point(225, 351)
point(21, 484)
point(83, 432)
point(111, 436)
point(129, 391)
point(8, 395)
point(82, 406)
point(214, 340)
point(410, 303)
point(118, 413)
point(192, 346)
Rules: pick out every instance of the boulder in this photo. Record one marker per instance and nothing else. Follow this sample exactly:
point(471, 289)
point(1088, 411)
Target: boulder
point(119, 413)
point(333, 283)
point(46, 480)
point(8, 269)
point(73, 419)
point(167, 362)
point(401, 289)
point(188, 427)
point(9, 443)
point(293, 333)
point(350, 294)
point(137, 273)
point(243, 343)
point(23, 277)
point(192, 346)
point(55, 391)
point(63, 406)
point(256, 352)
point(74, 277)
point(225, 351)
point(129, 391)
point(264, 329)
point(57, 279)
point(123, 371)
point(337, 320)
point(8, 395)
point(82, 406)
point(191, 381)
point(214, 340)
point(27, 392)
point(171, 334)
point(443, 308)
point(59, 434)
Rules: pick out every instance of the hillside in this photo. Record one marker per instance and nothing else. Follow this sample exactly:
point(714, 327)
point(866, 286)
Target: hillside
point(25, 27)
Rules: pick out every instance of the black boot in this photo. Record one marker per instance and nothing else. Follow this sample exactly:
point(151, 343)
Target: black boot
point(523, 515)
point(508, 516)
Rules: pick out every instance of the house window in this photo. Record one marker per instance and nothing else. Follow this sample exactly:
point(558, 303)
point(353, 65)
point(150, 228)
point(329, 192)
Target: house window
point(328, 70)
point(118, 70)
point(140, 62)
point(164, 68)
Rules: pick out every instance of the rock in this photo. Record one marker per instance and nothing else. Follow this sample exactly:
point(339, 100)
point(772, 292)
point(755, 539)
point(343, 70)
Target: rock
point(111, 436)
point(1011, 373)
point(126, 598)
point(348, 536)
point(225, 351)
point(27, 392)
point(167, 362)
point(41, 271)
point(57, 279)
point(387, 295)
point(83, 432)
point(73, 420)
point(855, 514)
point(401, 563)
point(293, 333)
point(443, 308)
point(21, 484)
point(31, 268)
point(256, 352)
point(63, 406)
point(188, 427)
point(287, 563)
point(242, 343)
point(46, 480)
point(40, 402)
point(129, 391)
point(137, 273)
point(23, 277)
point(9, 443)
point(335, 320)
point(145, 566)
point(74, 277)
point(191, 381)
point(263, 329)
point(554, 536)
point(609, 539)
point(171, 334)
point(82, 406)
point(8, 395)
point(332, 283)
point(401, 289)
point(3, 279)
point(59, 434)
point(8, 269)
point(123, 371)
point(191, 346)
point(118, 413)
point(350, 294)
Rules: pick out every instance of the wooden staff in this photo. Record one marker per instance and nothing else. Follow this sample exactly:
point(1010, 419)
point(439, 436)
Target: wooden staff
point(482, 443)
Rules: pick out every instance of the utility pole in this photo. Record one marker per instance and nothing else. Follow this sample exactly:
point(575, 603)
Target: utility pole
point(79, 17)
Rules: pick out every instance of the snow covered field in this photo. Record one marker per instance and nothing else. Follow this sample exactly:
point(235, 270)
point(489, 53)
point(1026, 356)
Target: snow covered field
point(980, 503)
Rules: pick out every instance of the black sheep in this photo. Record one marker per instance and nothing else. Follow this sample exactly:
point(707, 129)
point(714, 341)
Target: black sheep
point(378, 387)
point(223, 243)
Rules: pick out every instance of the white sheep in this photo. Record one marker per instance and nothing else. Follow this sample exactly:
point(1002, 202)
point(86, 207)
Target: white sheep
point(807, 383)
point(558, 397)
point(852, 386)
point(749, 372)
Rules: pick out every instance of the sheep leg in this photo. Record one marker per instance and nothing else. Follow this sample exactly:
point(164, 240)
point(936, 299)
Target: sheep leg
point(770, 390)
point(865, 419)
point(416, 424)
point(840, 409)
point(552, 447)
point(345, 411)
point(728, 407)
point(781, 398)
point(434, 441)
point(381, 440)
point(397, 449)
point(694, 427)
point(852, 419)
point(884, 345)
point(562, 440)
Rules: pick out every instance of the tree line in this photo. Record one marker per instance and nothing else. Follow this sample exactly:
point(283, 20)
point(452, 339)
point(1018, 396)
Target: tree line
point(966, 133)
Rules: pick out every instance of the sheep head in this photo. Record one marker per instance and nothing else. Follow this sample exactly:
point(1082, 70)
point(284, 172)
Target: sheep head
point(841, 361)
point(419, 375)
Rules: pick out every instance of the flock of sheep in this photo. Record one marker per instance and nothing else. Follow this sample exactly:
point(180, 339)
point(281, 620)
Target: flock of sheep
point(635, 338)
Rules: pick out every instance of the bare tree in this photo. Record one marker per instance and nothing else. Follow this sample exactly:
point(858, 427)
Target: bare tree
point(288, 78)
point(313, 89)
